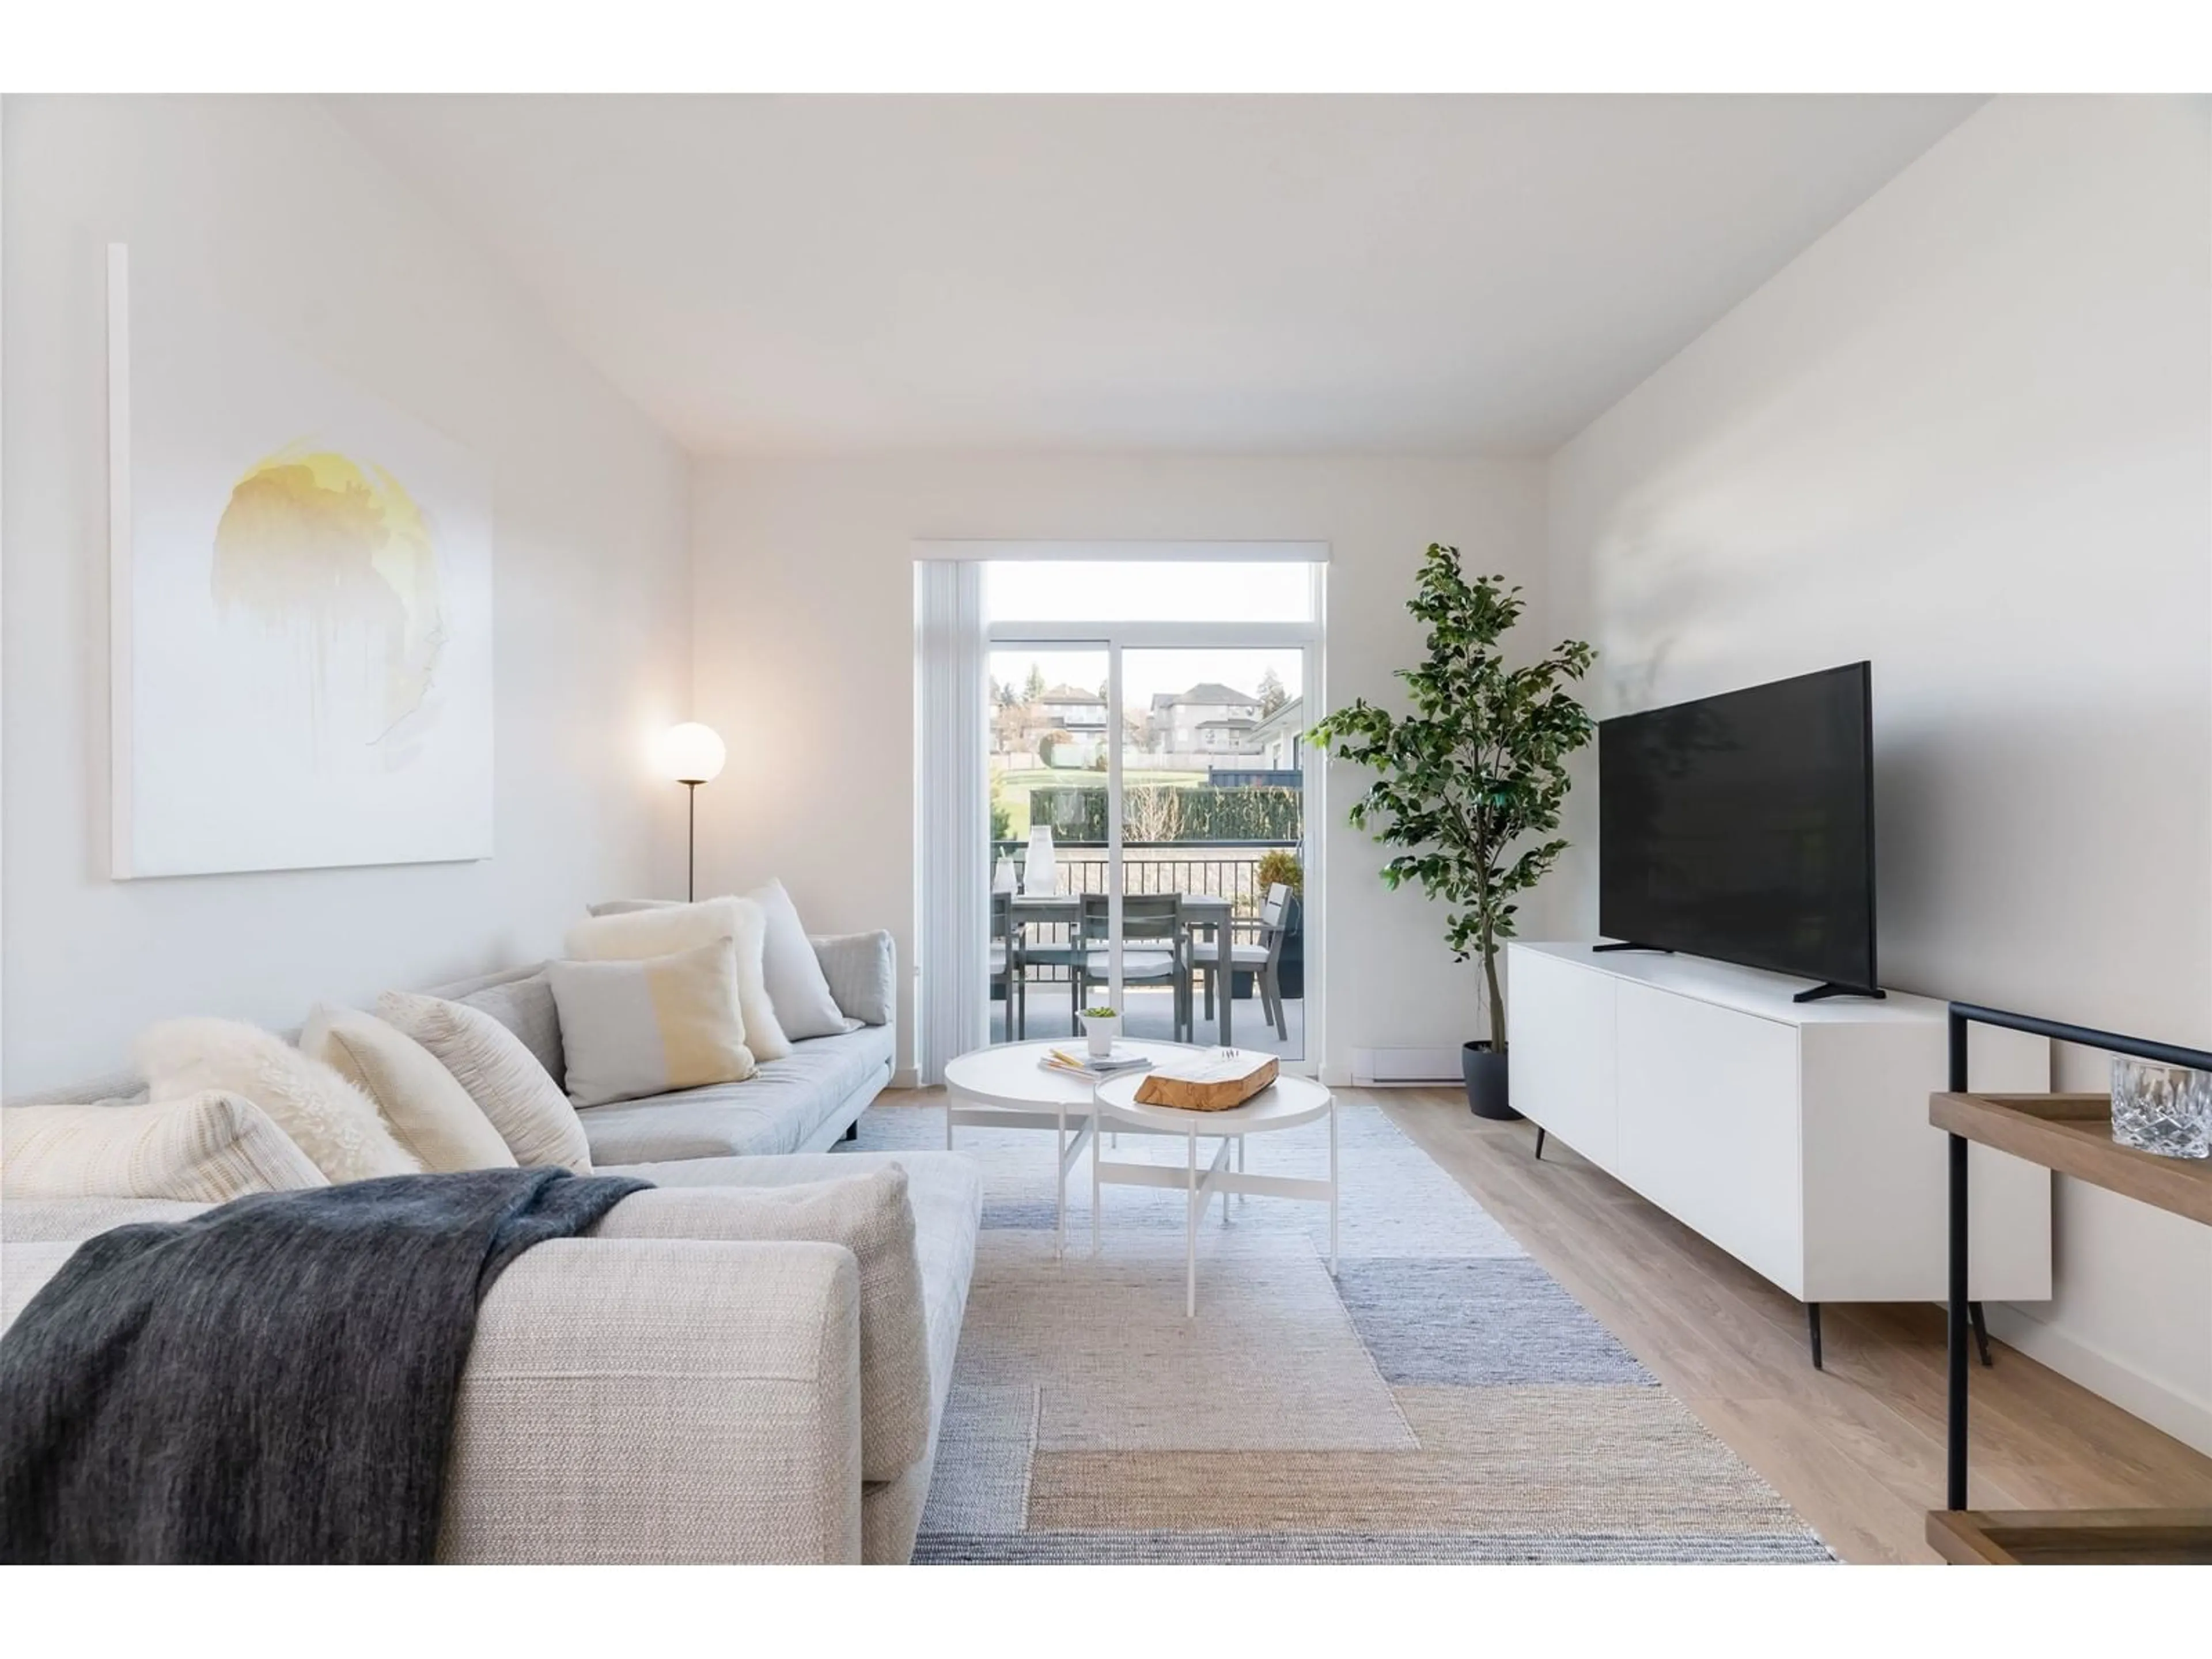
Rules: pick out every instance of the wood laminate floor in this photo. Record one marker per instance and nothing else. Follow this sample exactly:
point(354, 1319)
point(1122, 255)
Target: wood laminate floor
point(1856, 1449)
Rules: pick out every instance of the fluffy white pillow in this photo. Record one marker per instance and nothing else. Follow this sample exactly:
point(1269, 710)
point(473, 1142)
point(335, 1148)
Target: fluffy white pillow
point(504, 1078)
point(634, 935)
point(205, 1149)
point(428, 1111)
point(334, 1123)
point(796, 985)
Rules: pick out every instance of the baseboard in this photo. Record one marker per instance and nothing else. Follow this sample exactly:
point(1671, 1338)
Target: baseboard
point(2187, 1421)
point(906, 1076)
point(1408, 1068)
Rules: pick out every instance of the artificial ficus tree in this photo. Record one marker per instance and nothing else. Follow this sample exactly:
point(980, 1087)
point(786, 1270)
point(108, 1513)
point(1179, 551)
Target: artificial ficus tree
point(1467, 780)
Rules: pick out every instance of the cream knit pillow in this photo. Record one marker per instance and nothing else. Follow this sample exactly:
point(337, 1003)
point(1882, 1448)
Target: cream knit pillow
point(334, 1123)
point(631, 935)
point(504, 1078)
point(424, 1105)
point(206, 1148)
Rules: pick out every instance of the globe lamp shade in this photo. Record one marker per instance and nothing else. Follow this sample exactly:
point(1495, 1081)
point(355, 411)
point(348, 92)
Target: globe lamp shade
point(691, 753)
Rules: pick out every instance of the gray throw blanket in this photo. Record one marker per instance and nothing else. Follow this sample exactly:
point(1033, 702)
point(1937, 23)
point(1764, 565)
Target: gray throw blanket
point(273, 1380)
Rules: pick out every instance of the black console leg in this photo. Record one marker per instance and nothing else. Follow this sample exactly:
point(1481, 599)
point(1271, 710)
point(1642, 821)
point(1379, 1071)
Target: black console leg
point(1981, 1332)
point(1812, 1330)
point(1540, 1142)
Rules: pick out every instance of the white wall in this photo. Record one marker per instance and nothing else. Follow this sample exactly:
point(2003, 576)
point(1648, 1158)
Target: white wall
point(805, 655)
point(269, 207)
point(1968, 434)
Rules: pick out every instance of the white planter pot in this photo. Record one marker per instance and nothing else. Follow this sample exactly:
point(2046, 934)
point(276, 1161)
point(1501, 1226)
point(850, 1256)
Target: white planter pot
point(1101, 1033)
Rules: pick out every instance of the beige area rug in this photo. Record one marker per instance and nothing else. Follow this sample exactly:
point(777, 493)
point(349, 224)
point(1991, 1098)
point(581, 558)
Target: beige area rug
point(1272, 1364)
point(1442, 1399)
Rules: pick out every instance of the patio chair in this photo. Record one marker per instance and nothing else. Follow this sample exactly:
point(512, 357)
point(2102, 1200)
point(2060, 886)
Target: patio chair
point(1263, 960)
point(1154, 922)
point(1008, 966)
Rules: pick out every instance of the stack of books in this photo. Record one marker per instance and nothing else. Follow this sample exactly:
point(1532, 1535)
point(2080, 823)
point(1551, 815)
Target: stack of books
point(1080, 1063)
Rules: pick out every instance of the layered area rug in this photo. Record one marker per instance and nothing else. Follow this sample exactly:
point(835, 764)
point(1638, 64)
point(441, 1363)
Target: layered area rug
point(1441, 1400)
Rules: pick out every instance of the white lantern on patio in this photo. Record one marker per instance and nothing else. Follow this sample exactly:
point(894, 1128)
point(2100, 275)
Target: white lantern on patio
point(1041, 875)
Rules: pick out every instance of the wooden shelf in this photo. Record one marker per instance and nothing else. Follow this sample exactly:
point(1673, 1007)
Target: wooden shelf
point(2073, 1134)
point(2072, 1537)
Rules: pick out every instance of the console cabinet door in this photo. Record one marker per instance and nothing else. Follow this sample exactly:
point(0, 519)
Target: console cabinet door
point(1708, 1124)
point(1559, 1022)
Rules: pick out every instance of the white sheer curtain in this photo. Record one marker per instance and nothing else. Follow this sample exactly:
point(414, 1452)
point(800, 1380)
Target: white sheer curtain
point(953, 824)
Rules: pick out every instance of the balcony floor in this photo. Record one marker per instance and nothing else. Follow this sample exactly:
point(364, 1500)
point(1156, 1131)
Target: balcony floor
point(1148, 1011)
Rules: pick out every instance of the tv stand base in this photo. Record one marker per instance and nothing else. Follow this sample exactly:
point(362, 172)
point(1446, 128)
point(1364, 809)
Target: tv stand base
point(1981, 1330)
point(1630, 945)
point(1797, 1135)
point(1820, 993)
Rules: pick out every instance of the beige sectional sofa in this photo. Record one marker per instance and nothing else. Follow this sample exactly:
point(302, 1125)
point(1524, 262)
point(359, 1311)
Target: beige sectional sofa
point(673, 1399)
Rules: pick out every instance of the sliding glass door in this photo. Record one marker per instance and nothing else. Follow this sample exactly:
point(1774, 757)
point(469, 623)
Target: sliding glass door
point(1148, 799)
point(1213, 809)
point(1048, 751)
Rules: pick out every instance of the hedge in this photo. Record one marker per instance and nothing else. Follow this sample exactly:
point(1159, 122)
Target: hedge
point(1254, 812)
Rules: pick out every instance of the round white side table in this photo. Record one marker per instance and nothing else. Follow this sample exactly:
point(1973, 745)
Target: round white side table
point(1006, 1087)
point(1285, 1103)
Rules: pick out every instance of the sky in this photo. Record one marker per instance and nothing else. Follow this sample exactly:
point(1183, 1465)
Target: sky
point(1138, 591)
point(1146, 672)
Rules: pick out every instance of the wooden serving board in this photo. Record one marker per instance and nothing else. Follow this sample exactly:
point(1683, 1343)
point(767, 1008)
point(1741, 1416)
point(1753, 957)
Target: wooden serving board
point(1217, 1082)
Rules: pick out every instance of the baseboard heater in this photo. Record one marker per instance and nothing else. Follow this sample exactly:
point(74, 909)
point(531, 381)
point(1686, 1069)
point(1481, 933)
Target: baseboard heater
point(1382, 1068)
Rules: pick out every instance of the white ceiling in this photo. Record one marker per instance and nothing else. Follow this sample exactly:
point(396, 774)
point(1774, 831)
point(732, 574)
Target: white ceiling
point(1253, 274)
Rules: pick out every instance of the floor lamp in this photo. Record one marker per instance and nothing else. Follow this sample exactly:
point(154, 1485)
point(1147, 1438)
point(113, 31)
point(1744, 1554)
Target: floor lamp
point(693, 755)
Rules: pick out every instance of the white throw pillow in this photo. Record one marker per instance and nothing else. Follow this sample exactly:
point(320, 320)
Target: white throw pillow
point(206, 1148)
point(796, 985)
point(664, 930)
point(424, 1104)
point(634, 1029)
point(504, 1078)
point(330, 1120)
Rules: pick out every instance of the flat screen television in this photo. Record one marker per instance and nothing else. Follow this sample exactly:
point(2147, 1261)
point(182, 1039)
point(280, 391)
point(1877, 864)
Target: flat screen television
point(1740, 827)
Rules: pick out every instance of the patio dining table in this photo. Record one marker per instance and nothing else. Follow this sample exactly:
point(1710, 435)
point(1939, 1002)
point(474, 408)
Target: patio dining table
point(1200, 910)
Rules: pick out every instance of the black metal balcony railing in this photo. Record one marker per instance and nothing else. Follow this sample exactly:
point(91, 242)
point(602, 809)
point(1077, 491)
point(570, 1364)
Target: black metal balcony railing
point(1228, 869)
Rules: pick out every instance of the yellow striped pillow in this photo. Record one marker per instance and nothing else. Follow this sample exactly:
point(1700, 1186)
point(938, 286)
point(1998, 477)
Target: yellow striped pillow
point(630, 1029)
point(206, 1148)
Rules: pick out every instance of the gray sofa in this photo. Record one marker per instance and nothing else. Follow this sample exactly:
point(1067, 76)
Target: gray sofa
point(803, 1102)
point(650, 1399)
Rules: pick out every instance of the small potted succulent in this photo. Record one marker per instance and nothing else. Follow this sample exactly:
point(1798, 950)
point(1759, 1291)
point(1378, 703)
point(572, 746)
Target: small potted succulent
point(1101, 1025)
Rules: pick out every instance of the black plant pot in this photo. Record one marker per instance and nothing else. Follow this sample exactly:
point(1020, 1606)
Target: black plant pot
point(1487, 1095)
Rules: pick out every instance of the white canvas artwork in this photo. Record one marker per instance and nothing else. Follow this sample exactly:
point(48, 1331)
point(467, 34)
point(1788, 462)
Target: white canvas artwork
point(302, 600)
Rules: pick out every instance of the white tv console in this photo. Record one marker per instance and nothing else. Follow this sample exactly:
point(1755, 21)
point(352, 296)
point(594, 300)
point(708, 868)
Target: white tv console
point(1793, 1135)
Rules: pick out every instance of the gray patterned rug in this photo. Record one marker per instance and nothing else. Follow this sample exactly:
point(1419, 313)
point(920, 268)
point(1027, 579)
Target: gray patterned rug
point(1441, 1400)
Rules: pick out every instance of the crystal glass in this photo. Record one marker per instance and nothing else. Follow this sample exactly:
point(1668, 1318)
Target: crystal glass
point(2166, 1109)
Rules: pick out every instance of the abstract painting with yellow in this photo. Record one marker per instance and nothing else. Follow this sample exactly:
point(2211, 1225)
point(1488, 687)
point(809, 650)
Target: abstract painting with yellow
point(301, 583)
point(336, 549)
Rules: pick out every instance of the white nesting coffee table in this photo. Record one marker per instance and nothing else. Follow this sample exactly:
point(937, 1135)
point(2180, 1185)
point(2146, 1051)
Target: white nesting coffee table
point(1004, 1087)
point(1285, 1103)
